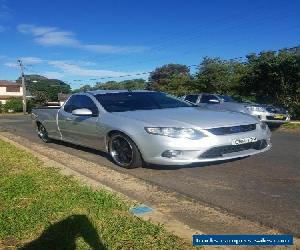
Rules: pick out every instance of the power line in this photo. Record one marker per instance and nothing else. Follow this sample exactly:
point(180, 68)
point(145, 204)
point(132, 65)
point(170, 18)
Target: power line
point(164, 40)
point(148, 72)
point(188, 51)
point(188, 66)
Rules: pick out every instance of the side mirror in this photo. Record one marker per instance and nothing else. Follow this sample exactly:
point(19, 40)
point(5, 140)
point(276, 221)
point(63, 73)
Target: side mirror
point(82, 112)
point(213, 101)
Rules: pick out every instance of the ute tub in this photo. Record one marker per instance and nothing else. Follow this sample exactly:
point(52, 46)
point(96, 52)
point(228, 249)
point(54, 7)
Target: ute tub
point(48, 117)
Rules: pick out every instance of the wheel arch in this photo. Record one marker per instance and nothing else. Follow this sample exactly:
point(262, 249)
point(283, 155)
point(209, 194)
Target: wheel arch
point(38, 123)
point(110, 133)
point(131, 138)
point(114, 131)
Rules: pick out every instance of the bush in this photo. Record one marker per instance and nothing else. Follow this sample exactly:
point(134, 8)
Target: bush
point(14, 104)
point(32, 103)
point(294, 110)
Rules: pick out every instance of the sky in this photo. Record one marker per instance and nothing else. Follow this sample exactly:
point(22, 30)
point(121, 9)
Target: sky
point(83, 42)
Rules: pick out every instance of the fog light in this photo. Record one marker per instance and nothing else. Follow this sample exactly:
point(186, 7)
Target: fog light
point(171, 153)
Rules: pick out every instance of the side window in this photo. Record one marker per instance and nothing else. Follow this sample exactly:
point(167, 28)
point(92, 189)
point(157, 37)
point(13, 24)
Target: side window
point(191, 98)
point(79, 102)
point(70, 105)
point(206, 98)
point(88, 103)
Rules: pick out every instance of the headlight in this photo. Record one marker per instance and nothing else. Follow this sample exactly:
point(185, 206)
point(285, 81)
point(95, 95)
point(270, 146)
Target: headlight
point(263, 125)
point(255, 108)
point(176, 132)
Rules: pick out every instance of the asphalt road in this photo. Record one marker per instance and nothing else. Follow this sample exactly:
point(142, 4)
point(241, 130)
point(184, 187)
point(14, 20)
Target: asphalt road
point(263, 188)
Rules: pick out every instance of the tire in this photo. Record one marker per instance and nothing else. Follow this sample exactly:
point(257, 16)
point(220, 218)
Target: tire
point(43, 134)
point(124, 151)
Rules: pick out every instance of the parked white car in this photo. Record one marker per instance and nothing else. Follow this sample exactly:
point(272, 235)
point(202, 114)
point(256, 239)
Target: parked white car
point(266, 113)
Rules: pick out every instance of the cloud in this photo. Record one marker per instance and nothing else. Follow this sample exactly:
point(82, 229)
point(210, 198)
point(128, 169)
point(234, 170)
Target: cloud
point(26, 61)
point(53, 36)
point(112, 49)
point(11, 65)
point(2, 28)
point(59, 69)
point(77, 70)
point(5, 12)
point(57, 38)
point(31, 29)
point(49, 36)
point(53, 74)
point(31, 60)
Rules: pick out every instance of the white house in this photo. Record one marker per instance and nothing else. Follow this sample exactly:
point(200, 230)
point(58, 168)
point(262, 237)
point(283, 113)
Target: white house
point(9, 89)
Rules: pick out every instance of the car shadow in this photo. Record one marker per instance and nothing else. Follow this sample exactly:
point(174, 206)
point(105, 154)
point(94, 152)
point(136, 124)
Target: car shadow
point(193, 165)
point(63, 235)
point(148, 165)
point(82, 148)
point(274, 127)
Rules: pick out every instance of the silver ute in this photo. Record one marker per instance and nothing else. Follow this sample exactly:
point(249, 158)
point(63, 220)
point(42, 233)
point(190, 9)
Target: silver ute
point(137, 127)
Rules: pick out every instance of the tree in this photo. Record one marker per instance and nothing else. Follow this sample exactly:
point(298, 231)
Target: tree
point(127, 84)
point(14, 104)
point(171, 78)
point(273, 77)
point(83, 88)
point(45, 89)
point(219, 76)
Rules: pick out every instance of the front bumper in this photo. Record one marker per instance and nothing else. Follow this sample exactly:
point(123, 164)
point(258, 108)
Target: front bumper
point(271, 117)
point(152, 147)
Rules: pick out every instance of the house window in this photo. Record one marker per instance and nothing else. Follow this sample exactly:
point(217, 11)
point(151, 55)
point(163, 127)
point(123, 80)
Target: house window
point(12, 89)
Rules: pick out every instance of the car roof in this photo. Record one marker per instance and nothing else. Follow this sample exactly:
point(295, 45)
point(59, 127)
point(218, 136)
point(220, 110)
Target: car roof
point(104, 91)
point(203, 93)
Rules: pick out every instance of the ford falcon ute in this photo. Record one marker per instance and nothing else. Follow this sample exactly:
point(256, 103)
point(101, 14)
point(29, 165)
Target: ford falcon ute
point(140, 127)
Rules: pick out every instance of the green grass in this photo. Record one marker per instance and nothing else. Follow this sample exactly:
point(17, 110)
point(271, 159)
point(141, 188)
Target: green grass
point(42, 209)
point(291, 126)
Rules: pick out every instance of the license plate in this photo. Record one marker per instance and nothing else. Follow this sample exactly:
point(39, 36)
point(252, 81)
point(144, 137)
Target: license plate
point(278, 116)
point(240, 141)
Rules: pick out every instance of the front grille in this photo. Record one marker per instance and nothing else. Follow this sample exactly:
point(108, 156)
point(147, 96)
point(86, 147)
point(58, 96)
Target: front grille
point(222, 150)
point(232, 130)
point(275, 118)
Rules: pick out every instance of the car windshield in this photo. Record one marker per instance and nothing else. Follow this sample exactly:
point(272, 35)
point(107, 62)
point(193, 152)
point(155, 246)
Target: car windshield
point(227, 98)
point(130, 101)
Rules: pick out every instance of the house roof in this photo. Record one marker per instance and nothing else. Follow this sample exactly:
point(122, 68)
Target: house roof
point(8, 83)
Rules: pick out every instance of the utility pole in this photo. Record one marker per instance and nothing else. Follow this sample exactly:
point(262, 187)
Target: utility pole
point(23, 85)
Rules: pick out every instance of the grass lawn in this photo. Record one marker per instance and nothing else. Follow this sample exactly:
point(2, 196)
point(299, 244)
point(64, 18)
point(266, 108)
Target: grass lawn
point(42, 209)
point(291, 126)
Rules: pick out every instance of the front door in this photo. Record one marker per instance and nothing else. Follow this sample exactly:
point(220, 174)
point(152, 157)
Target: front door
point(82, 130)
